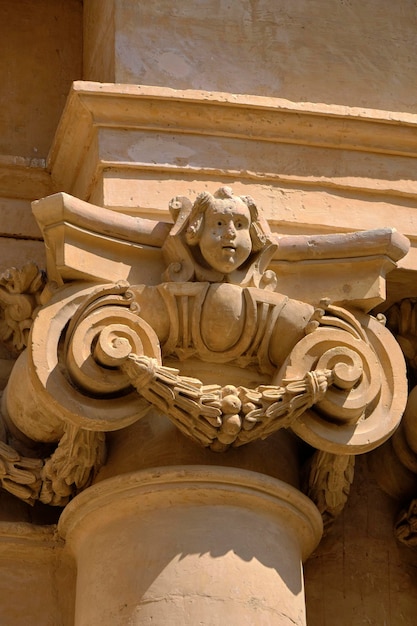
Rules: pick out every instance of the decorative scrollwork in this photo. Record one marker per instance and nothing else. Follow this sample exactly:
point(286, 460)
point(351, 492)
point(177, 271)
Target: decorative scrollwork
point(93, 360)
point(360, 410)
point(73, 378)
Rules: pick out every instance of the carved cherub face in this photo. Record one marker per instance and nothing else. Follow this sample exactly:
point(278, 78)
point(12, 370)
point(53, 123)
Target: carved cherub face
point(225, 241)
point(227, 231)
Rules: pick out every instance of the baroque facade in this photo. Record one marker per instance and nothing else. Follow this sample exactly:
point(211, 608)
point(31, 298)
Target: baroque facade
point(208, 313)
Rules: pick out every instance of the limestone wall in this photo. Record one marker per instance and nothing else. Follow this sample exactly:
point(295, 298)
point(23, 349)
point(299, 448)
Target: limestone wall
point(40, 56)
point(345, 52)
point(360, 574)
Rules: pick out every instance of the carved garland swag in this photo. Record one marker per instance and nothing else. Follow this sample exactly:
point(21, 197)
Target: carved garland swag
point(97, 360)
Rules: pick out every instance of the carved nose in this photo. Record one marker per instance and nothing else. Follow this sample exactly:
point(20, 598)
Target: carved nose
point(230, 232)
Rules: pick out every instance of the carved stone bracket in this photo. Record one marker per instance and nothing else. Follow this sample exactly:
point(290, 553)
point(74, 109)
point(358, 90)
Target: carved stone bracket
point(101, 354)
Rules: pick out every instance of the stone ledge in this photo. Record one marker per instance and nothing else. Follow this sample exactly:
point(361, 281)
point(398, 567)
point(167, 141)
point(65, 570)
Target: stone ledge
point(198, 485)
point(22, 536)
point(24, 178)
point(89, 243)
point(95, 110)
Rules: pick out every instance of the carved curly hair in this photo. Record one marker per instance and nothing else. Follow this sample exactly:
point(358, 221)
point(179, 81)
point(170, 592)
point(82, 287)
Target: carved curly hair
point(206, 200)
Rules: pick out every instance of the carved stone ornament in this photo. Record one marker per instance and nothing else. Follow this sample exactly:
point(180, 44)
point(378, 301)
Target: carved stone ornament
point(134, 309)
point(400, 453)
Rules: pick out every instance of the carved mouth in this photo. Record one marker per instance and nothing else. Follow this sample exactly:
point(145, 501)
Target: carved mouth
point(229, 248)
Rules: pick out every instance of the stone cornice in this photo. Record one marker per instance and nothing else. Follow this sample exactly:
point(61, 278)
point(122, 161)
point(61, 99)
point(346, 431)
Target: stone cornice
point(92, 107)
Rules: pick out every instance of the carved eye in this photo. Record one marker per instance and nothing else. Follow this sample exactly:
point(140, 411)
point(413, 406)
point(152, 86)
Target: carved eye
point(219, 223)
point(239, 225)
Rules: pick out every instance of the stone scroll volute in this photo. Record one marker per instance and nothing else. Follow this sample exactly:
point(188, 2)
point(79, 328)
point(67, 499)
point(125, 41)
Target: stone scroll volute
point(125, 324)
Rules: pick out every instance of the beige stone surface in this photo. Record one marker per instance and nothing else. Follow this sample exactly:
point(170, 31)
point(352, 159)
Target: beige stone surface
point(36, 582)
point(17, 220)
point(18, 252)
point(360, 574)
point(211, 341)
point(321, 51)
point(40, 56)
point(99, 40)
point(307, 106)
point(24, 178)
point(313, 167)
point(211, 564)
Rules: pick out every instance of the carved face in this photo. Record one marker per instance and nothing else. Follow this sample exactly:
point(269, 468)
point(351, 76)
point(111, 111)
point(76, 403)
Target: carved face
point(225, 242)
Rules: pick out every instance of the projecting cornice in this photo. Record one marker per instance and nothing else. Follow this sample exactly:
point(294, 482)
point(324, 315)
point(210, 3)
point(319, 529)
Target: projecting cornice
point(218, 134)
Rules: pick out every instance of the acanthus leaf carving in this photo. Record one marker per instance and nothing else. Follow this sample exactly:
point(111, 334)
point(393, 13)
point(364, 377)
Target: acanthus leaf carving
point(20, 294)
point(328, 481)
point(20, 475)
point(72, 466)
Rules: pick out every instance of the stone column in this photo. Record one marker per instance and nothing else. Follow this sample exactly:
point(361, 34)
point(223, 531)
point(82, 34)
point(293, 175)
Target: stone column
point(190, 545)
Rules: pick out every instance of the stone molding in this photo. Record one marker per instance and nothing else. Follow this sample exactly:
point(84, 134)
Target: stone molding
point(199, 484)
point(80, 154)
point(24, 178)
point(88, 242)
